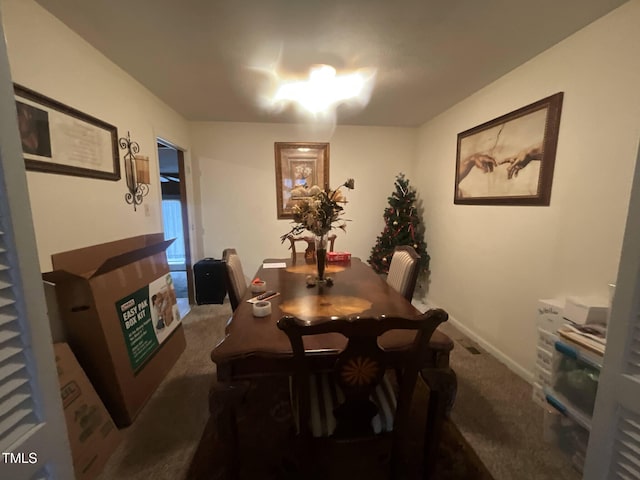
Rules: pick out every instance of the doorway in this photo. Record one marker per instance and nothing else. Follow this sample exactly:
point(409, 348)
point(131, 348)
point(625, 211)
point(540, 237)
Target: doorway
point(176, 223)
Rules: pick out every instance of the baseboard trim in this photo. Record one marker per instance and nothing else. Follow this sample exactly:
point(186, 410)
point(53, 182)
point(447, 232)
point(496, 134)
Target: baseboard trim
point(515, 367)
point(524, 373)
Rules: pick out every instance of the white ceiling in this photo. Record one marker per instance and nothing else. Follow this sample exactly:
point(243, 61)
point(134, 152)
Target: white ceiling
point(429, 54)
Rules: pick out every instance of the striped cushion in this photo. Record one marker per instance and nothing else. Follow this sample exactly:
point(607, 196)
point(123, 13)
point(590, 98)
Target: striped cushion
point(400, 271)
point(326, 395)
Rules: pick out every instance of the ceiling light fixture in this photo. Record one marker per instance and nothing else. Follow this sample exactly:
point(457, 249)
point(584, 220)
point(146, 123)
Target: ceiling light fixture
point(324, 90)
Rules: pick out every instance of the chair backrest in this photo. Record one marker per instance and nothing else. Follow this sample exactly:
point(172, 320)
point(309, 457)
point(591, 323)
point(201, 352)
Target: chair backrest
point(310, 249)
point(403, 270)
point(359, 369)
point(236, 281)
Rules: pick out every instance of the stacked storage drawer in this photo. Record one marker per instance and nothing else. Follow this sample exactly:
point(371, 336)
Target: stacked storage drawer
point(563, 430)
point(572, 393)
point(575, 376)
point(549, 319)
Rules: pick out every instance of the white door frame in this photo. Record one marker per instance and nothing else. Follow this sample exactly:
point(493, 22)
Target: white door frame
point(617, 389)
point(48, 438)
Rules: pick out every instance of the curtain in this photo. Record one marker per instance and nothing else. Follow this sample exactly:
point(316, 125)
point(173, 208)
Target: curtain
point(172, 219)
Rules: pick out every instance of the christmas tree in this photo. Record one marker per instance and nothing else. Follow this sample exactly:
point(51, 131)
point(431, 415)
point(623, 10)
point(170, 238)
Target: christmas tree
point(402, 227)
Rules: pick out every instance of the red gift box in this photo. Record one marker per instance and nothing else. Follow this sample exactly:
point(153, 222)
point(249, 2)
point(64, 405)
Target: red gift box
point(338, 256)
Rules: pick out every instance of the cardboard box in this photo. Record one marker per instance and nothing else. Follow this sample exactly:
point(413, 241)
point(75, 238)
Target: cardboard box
point(92, 434)
point(119, 310)
point(586, 310)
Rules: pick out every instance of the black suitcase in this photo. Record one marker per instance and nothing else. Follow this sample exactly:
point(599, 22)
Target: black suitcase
point(211, 281)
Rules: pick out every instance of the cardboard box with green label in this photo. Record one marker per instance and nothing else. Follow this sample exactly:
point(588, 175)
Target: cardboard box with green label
point(118, 307)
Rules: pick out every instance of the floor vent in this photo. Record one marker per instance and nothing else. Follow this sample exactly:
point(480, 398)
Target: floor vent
point(470, 345)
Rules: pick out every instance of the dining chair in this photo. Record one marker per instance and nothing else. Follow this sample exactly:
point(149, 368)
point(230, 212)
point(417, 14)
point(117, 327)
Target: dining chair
point(236, 281)
point(356, 400)
point(403, 270)
point(309, 253)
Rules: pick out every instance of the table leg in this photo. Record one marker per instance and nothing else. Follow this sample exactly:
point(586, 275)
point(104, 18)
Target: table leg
point(442, 385)
point(223, 401)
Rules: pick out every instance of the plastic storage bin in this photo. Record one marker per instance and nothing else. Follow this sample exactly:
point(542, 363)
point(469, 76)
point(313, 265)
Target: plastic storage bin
point(575, 377)
point(543, 377)
point(544, 358)
point(561, 430)
point(538, 395)
point(546, 339)
point(548, 320)
point(549, 316)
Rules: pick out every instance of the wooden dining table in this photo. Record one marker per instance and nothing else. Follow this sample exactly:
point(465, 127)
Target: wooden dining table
point(254, 347)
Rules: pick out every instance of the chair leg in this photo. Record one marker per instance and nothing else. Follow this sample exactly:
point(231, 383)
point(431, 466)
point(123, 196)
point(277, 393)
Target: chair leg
point(442, 385)
point(223, 400)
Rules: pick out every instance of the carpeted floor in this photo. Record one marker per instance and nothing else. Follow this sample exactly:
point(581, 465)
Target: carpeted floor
point(493, 411)
point(269, 451)
point(160, 443)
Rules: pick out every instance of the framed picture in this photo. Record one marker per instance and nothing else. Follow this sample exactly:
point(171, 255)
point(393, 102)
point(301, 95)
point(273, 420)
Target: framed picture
point(510, 160)
point(59, 139)
point(300, 166)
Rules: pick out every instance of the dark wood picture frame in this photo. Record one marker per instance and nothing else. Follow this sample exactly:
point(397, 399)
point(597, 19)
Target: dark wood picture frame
point(299, 166)
point(510, 160)
point(59, 139)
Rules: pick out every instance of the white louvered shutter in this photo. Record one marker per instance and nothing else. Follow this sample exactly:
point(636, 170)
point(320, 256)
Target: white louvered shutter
point(31, 418)
point(626, 460)
point(614, 444)
point(17, 407)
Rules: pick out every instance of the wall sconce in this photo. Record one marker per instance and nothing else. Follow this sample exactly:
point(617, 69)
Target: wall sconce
point(136, 169)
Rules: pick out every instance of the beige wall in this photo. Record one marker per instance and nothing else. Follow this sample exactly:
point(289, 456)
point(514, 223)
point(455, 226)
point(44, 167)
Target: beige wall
point(71, 212)
point(490, 264)
point(237, 184)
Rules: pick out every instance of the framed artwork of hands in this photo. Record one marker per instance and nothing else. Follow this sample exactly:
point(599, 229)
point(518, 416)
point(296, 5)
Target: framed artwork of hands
point(510, 160)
